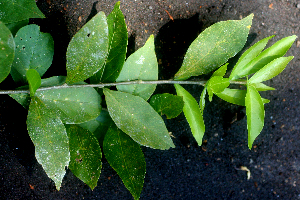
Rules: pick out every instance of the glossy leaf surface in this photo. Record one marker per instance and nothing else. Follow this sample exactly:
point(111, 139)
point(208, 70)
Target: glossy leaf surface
point(192, 113)
point(118, 37)
point(275, 51)
point(262, 87)
point(7, 51)
point(34, 50)
point(221, 71)
point(167, 104)
point(126, 157)
point(216, 84)
point(87, 50)
point(248, 56)
point(85, 155)
point(141, 65)
point(34, 80)
point(255, 114)
point(134, 116)
point(271, 70)
point(50, 139)
point(14, 11)
point(214, 46)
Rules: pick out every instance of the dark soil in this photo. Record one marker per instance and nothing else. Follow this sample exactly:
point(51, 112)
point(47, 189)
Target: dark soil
point(187, 171)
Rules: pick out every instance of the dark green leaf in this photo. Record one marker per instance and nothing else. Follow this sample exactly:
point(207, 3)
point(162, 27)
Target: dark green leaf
point(275, 51)
point(141, 65)
point(34, 80)
point(248, 56)
point(214, 46)
point(87, 51)
point(34, 50)
point(216, 84)
point(271, 70)
point(50, 139)
point(7, 51)
point(138, 119)
point(255, 114)
point(127, 158)
point(12, 11)
point(168, 104)
point(15, 26)
point(118, 36)
point(192, 113)
point(86, 155)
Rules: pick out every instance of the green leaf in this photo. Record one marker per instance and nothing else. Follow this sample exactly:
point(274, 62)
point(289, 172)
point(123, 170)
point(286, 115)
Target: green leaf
point(34, 50)
point(262, 87)
point(15, 26)
point(72, 105)
point(138, 119)
point(271, 70)
point(87, 50)
point(202, 100)
point(50, 139)
point(248, 56)
point(192, 113)
point(233, 96)
point(141, 65)
point(14, 11)
point(216, 84)
point(277, 50)
point(34, 80)
point(126, 157)
point(221, 71)
point(214, 46)
point(86, 155)
point(118, 37)
point(255, 114)
point(168, 104)
point(7, 51)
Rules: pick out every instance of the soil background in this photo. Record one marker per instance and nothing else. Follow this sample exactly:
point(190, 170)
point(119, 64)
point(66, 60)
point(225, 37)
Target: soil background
point(187, 171)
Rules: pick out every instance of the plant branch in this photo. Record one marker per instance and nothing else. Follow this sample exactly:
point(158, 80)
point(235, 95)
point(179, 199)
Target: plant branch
point(101, 85)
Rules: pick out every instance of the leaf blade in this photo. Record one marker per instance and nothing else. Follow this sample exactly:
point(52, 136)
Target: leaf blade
point(34, 80)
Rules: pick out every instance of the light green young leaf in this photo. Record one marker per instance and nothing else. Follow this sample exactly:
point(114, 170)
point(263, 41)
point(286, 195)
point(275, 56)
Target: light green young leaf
point(202, 100)
point(34, 80)
point(214, 46)
point(248, 56)
point(271, 70)
point(168, 104)
point(262, 87)
point(118, 37)
point(86, 155)
point(34, 50)
point(7, 51)
point(255, 114)
point(192, 113)
point(138, 119)
point(277, 50)
point(12, 11)
point(126, 157)
point(216, 84)
point(221, 71)
point(50, 139)
point(87, 50)
point(141, 65)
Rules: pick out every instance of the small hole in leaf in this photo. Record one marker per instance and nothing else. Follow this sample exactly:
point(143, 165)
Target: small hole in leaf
point(23, 48)
point(88, 35)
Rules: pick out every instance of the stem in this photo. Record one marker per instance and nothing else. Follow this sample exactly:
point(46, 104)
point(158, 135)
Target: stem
point(101, 85)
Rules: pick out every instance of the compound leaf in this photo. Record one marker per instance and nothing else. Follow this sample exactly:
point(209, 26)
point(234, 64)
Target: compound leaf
point(192, 113)
point(126, 157)
point(50, 139)
point(141, 65)
point(87, 50)
point(7, 51)
point(34, 80)
point(214, 46)
point(255, 114)
point(134, 116)
point(270, 70)
point(34, 50)
point(168, 104)
point(118, 37)
point(85, 154)
point(14, 11)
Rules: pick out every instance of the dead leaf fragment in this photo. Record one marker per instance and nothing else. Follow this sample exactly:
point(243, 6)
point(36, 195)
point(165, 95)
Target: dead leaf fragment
point(243, 168)
point(271, 6)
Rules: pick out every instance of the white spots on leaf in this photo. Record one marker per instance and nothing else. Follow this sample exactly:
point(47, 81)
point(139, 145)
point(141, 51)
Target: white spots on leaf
point(140, 61)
